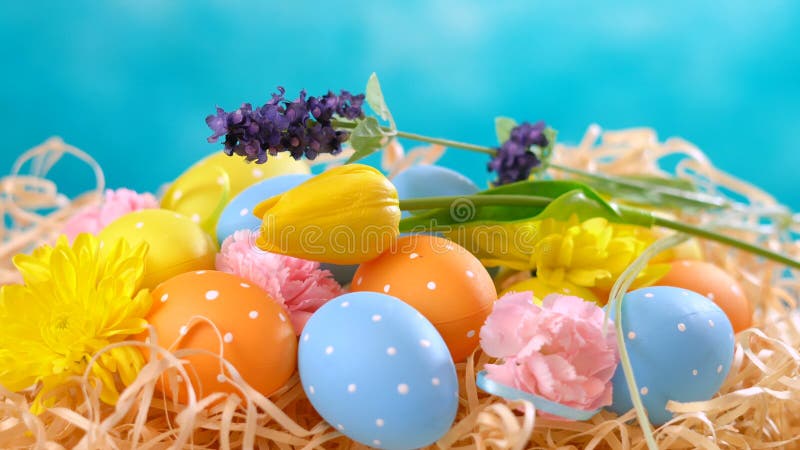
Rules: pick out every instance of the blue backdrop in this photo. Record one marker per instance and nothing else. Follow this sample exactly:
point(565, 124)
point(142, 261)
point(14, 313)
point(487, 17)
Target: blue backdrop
point(132, 81)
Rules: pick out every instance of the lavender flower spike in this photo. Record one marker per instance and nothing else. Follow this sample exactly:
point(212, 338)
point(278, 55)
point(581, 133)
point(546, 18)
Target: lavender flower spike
point(515, 160)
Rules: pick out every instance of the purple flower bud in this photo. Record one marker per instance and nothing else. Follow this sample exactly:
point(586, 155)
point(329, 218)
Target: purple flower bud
point(514, 160)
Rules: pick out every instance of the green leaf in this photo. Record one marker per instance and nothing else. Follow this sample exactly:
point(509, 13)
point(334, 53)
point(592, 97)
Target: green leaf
point(503, 127)
point(569, 198)
point(366, 138)
point(375, 100)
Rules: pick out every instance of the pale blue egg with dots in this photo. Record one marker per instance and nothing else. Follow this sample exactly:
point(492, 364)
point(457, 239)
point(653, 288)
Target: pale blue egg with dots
point(680, 345)
point(238, 214)
point(376, 370)
point(427, 180)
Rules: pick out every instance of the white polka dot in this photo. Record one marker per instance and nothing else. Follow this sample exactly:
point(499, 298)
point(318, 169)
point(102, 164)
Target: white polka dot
point(200, 272)
point(685, 293)
point(164, 298)
point(258, 173)
point(736, 290)
point(386, 289)
point(391, 351)
point(340, 427)
point(378, 422)
point(359, 280)
point(402, 389)
point(212, 295)
point(345, 304)
point(177, 194)
point(681, 327)
point(351, 388)
point(139, 224)
point(470, 333)
point(196, 218)
point(311, 390)
point(470, 274)
point(649, 295)
point(710, 296)
point(376, 318)
point(567, 290)
point(425, 343)
point(686, 263)
point(694, 372)
point(376, 442)
point(329, 350)
point(711, 323)
point(179, 379)
point(305, 337)
point(253, 314)
point(431, 285)
point(244, 212)
point(221, 378)
point(102, 244)
point(644, 390)
point(719, 368)
point(282, 317)
point(413, 256)
point(244, 285)
point(631, 335)
point(184, 329)
point(435, 381)
point(228, 338)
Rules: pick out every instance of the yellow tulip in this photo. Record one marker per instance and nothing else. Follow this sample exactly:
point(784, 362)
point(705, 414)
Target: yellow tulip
point(347, 215)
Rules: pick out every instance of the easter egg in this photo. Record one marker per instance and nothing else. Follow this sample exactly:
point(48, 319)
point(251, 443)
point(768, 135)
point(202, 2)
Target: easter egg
point(542, 289)
point(176, 243)
point(716, 284)
point(198, 193)
point(431, 181)
point(378, 371)
point(440, 279)
point(680, 346)
point(238, 214)
point(254, 331)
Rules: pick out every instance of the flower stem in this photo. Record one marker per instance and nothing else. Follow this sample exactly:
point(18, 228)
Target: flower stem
point(527, 200)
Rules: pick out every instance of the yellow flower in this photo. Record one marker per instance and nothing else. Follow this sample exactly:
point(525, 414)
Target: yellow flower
point(346, 215)
point(74, 302)
point(592, 253)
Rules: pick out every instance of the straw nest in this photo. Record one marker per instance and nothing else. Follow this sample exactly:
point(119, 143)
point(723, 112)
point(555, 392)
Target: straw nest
point(757, 407)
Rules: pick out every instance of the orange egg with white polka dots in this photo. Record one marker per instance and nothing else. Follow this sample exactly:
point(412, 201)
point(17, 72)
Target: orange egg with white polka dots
point(716, 284)
point(441, 280)
point(215, 311)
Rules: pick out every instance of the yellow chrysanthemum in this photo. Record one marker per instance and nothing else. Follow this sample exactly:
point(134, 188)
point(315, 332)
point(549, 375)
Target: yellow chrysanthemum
point(75, 301)
point(592, 253)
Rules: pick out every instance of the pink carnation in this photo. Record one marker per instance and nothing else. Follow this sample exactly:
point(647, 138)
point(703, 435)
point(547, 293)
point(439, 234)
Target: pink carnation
point(116, 203)
point(297, 284)
point(556, 351)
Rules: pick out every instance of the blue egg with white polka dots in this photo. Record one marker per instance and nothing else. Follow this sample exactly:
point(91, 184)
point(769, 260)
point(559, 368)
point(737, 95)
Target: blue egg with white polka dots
point(680, 345)
point(376, 370)
point(238, 214)
point(425, 180)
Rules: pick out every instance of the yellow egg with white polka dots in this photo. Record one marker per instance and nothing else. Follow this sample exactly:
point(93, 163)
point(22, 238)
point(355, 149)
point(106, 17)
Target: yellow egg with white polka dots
point(204, 189)
point(542, 289)
point(176, 243)
point(218, 315)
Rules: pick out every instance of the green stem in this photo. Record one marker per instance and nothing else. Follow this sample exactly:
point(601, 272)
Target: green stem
point(526, 200)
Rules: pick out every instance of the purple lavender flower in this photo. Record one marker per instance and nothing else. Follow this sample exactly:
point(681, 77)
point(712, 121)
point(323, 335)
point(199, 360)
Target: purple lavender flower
point(514, 160)
point(302, 127)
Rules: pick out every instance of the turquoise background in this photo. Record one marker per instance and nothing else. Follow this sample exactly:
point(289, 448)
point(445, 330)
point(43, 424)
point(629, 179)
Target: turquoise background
point(132, 81)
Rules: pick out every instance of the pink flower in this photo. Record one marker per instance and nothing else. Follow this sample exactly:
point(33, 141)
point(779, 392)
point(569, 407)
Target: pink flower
point(116, 203)
point(556, 351)
point(297, 284)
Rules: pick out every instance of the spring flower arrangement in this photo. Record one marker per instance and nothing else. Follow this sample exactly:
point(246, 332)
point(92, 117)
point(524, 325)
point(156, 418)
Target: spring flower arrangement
point(585, 298)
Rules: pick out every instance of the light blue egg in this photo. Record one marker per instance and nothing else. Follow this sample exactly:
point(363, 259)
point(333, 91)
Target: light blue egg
point(680, 346)
point(431, 181)
point(378, 371)
point(238, 214)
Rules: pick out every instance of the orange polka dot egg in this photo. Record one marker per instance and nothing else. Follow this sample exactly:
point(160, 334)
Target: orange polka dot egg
point(714, 283)
point(441, 280)
point(210, 311)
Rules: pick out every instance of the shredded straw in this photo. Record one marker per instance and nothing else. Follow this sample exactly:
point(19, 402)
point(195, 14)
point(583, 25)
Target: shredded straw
point(758, 406)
